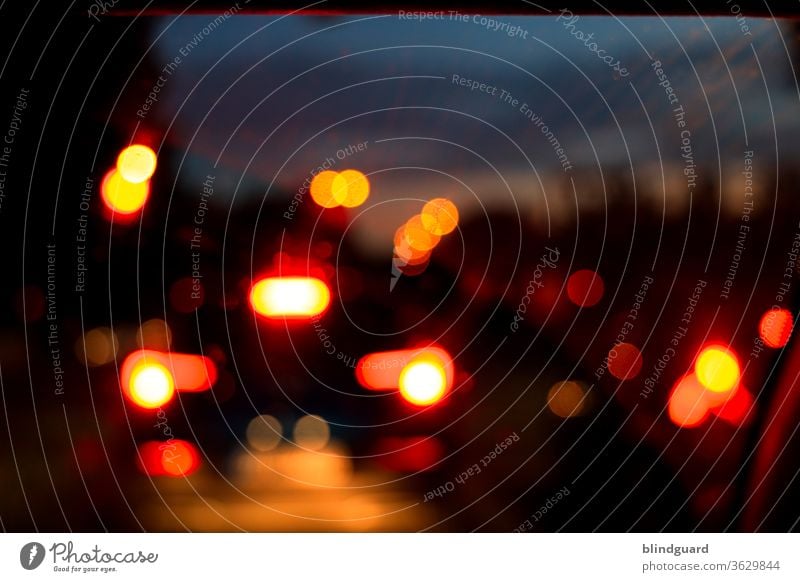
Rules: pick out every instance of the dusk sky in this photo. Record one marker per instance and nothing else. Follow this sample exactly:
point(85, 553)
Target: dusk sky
point(273, 98)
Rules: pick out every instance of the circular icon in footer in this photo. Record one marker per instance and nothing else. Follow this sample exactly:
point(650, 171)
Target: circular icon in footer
point(31, 555)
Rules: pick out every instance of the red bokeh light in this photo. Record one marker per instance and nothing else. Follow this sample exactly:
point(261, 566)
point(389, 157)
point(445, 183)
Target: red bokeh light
point(738, 409)
point(624, 361)
point(585, 288)
point(172, 458)
point(775, 327)
point(409, 454)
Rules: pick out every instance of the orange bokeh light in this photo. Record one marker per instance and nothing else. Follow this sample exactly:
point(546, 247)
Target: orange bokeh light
point(687, 406)
point(322, 189)
point(567, 399)
point(417, 237)
point(289, 297)
point(624, 361)
point(585, 288)
point(439, 216)
point(121, 196)
point(406, 252)
point(775, 327)
point(350, 188)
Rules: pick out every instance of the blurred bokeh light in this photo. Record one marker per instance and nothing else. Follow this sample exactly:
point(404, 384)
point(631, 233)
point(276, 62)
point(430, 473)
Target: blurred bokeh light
point(290, 297)
point(136, 163)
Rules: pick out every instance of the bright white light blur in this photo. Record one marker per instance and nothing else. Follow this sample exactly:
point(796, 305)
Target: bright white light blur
point(151, 385)
point(290, 297)
point(136, 163)
point(423, 382)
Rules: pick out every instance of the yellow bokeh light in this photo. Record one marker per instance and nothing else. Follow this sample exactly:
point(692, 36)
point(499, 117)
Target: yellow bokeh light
point(136, 163)
point(717, 369)
point(566, 399)
point(417, 237)
point(350, 188)
point(312, 432)
point(290, 297)
point(122, 196)
point(439, 216)
point(322, 189)
point(423, 381)
point(151, 385)
point(264, 432)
